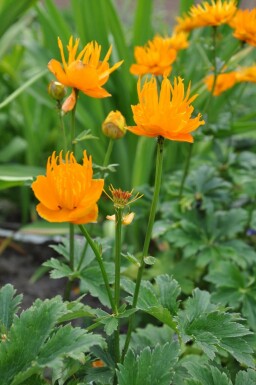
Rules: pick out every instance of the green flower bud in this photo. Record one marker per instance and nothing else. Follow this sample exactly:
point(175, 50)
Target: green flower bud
point(57, 90)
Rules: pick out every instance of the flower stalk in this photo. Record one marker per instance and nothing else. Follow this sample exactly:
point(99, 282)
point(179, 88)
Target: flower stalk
point(157, 185)
point(98, 256)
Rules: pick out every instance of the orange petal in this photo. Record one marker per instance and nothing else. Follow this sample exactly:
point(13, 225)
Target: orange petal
point(70, 102)
point(56, 68)
point(43, 191)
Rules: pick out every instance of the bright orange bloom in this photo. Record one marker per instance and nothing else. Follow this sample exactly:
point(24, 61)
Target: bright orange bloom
point(68, 193)
point(154, 58)
point(246, 74)
point(187, 23)
point(224, 82)
point(244, 24)
point(83, 71)
point(207, 14)
point(167, 114)
point(214, 14)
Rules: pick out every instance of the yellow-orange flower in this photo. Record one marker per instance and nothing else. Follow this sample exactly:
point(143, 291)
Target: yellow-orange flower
point(167, 114)
point(68, 193)
point(244, 24)
point(246, 74)
point(207, 14)
point(223, 82)
point(154, 58)
point(187, 23)
point(83, 71)
point(214, 14)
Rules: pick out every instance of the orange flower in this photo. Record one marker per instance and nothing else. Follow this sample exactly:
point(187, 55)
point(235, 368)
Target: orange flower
point(224, 82)
point(167, 114)
point(187, 23)
point(246, 74)
point(68, 193)
point(83, 71)
point(244, 24)
point(154, 58)
point(214, 14)
point(207, 14)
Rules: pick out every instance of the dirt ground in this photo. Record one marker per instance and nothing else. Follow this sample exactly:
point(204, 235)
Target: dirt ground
point(19, 262)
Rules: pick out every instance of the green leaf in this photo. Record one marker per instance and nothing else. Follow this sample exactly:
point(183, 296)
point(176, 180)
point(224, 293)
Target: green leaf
point(150, 367)
point(59, 269)
point(84, 135)
point(169, 290)
point(149, 302)
point(206, 375)
point(150, 260)
point(246, 377)
point(9, 304)
point(67, 341)
point(212, 328)
point(26, 337)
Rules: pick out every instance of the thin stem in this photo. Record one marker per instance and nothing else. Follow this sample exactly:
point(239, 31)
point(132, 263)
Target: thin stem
point(158, 175)
point(118, 242)
point(82, 256)
point(101, 264)
point(108, 153)
point(73, 126)
point(71, 260)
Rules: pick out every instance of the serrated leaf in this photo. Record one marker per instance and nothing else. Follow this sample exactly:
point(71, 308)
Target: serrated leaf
point(206, 375)
point(9, 304)
point(84, 135)
point(169, 290)
point(150, 367)
point(246, 377)
point(38, 322)
point(59, 269)
point(212, 328)
point(150, 260)
point(67, 341)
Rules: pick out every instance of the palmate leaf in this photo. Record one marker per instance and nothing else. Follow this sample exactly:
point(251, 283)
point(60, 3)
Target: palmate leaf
point(150, 367)
point(206, 375)
point(246, 377)
point(212, 328)
point(158, 301)
point(9, 304)
point(35, 341)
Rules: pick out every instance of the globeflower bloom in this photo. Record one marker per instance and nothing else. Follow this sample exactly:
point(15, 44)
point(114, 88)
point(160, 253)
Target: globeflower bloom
point(244, 24)
point(83, 71)
point(68, 193)
point(215, 13)
point(179, 41)
point(207, 14)
point(154, 58)
point(223, 82)
point(167, 114)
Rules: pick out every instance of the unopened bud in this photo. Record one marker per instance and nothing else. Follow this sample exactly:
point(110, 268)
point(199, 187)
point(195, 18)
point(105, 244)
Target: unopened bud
point(57, 90)
point(114, 126)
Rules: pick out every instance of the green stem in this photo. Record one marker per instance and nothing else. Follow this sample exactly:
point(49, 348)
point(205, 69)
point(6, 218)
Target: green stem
point(82, 256)
point(108, 153)
point(158, 175)
point(101, 264)
point(118, 243)
point(71, 260)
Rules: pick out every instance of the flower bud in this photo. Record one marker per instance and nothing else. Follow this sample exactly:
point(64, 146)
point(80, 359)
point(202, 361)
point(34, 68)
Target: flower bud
point(114, 126)
point(57, 90)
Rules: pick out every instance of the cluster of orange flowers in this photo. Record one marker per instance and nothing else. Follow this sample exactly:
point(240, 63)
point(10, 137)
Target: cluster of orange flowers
point(217, 13)
point(68, 192)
